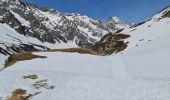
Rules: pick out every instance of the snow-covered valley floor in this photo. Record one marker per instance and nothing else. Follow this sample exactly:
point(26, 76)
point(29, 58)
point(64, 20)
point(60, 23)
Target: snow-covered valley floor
point(82, 77)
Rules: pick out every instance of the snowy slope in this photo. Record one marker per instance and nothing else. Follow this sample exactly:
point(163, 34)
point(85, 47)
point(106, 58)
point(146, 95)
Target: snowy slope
point(152, 29)
point(81, 77)
point(147, 55)
point(149, 60)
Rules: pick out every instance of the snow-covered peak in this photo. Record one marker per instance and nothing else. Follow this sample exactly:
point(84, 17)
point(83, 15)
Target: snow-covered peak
point(115, 19)
point(116, 23)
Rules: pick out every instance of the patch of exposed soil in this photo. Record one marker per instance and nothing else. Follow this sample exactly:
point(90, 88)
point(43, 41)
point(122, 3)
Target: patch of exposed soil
point(21, 94)
point(32, 77)
point(72, 50)
point(43, 84)
point(20, 57)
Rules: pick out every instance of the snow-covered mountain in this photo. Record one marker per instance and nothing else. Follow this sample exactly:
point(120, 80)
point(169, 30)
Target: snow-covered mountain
point(49, 27)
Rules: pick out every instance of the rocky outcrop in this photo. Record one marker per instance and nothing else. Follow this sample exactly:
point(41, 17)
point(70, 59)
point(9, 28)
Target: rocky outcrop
point(111, 43)
point(166, 14)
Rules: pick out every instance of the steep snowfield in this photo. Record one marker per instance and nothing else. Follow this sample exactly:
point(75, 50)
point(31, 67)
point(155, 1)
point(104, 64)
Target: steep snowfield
point(22, 20)
point(149, 31)
point(10, 36)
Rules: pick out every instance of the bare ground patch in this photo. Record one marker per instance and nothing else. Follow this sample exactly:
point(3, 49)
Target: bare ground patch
point(71, 50)
point(43, 84)
point(20, 57)
point(32, 77)
point(39, 84)
point(21, 94)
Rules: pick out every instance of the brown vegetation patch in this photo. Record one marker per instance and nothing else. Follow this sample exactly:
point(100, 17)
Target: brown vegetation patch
point(72, 50)
point(20, 57)
point(21, 94)
point(42, 84)
point(33, 77)
point(120, 36)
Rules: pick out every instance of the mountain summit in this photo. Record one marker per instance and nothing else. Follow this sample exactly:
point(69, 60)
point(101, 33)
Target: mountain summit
point(115, 23)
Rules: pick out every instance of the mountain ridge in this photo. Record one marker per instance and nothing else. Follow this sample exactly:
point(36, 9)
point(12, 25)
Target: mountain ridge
point(49, 26)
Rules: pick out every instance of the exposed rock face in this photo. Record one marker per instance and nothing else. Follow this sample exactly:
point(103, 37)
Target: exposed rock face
point(9, 50)
point(111, 43)
point(167, 14)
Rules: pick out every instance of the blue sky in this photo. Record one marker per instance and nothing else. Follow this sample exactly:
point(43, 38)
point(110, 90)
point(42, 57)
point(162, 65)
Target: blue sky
point(131, 11)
